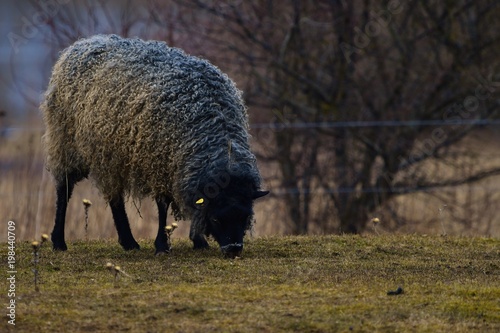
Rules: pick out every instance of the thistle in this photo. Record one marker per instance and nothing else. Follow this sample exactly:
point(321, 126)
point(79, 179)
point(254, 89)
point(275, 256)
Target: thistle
point(169, 229)
point(109, 266)
point(116, 271)
point(36, 259)
point(86, 205)
point(45, 238)
point(376, 222)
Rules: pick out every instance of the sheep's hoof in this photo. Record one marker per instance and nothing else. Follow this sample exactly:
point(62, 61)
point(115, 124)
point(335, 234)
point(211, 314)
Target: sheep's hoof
point(59, 247)
point(200, 243)
point(162, 252)
point(132, 246)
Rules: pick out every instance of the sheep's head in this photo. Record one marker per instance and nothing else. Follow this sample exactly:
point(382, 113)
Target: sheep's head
point(228, 215)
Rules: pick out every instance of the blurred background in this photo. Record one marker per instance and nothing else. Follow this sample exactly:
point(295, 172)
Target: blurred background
point(359, 109)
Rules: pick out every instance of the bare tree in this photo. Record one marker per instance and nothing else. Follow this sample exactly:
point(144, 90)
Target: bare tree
point(364, 95)
point(359, 101)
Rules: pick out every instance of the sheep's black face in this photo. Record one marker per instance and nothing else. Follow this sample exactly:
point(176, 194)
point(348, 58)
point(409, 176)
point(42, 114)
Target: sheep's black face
point(228, 217)
point(228, 224)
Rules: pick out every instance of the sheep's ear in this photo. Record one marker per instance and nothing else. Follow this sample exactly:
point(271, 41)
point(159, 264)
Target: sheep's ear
point(200, 201)
point(258, 194)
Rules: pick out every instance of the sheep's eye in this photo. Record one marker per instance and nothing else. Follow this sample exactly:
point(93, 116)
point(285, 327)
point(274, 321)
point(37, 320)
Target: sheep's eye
point(214, 220)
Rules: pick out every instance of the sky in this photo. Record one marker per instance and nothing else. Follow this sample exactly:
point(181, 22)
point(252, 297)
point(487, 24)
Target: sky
point(25, 55)
point(24, 59)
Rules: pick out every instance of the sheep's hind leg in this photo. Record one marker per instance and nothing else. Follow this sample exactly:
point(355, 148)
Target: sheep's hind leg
point(64, 189)
point(122, 225)
point(162, 243)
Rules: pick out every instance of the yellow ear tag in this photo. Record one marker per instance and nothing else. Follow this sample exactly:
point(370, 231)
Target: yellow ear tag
point(200, 201)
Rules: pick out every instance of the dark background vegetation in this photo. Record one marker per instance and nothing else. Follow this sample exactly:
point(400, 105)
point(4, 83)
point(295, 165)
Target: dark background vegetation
point(358, 108)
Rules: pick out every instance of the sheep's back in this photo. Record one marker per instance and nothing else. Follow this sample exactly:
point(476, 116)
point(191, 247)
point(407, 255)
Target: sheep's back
point(136, 114)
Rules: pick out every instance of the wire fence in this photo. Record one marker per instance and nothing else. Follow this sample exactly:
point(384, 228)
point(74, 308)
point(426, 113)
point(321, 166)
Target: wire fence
point(339, 124)
point(10, 131)
point(388, 123)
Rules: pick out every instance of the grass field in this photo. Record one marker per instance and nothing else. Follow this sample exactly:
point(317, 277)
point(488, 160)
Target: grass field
point(281, 284)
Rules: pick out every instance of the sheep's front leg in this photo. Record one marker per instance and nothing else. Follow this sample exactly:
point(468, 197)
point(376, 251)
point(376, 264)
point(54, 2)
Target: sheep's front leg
point(125, 237)
point(162, 243)
point(199, 240)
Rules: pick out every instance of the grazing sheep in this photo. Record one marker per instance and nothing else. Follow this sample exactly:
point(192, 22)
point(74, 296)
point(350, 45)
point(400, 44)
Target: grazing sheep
point(144, 119)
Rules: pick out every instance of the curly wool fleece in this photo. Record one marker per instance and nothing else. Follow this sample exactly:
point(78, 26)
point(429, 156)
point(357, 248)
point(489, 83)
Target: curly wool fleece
point(144, 119)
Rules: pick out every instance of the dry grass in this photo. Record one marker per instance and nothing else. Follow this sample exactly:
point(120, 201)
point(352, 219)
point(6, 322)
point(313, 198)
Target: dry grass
point(282, 284)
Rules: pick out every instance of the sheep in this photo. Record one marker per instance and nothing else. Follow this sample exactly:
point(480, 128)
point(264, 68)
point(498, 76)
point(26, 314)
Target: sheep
point(142, 119)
